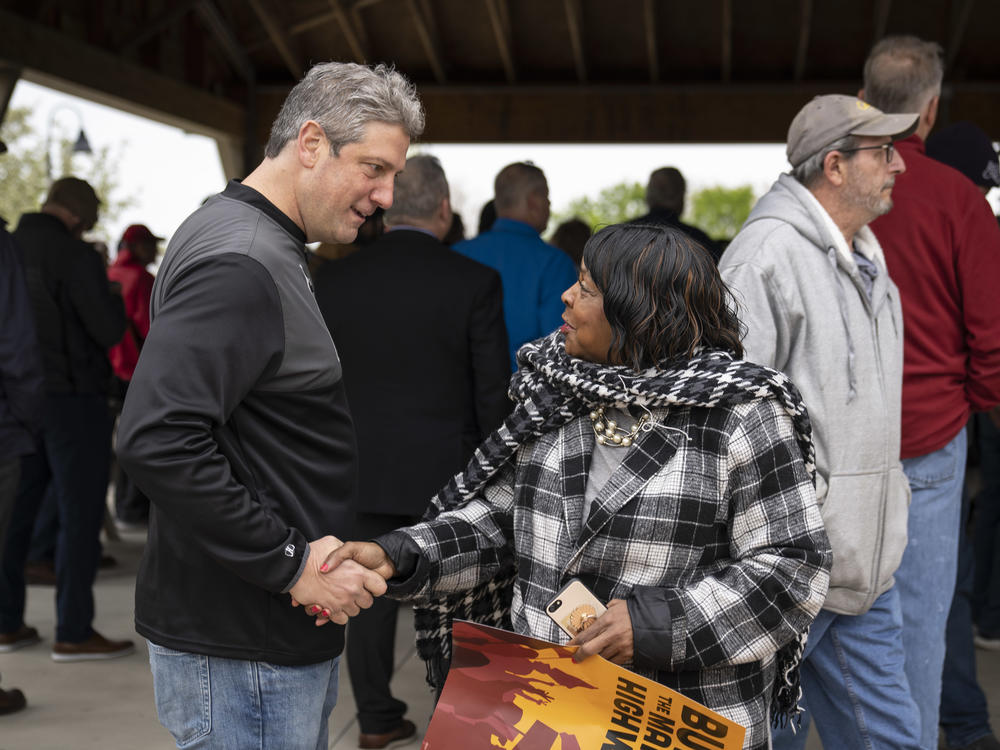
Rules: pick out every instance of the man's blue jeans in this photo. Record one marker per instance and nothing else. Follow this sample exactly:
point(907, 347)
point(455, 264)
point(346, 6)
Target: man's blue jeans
point(853, 683)
point(926, 577)
point(211, 703)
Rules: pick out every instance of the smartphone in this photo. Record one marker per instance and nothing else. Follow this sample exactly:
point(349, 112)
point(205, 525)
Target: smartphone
point(575, 608)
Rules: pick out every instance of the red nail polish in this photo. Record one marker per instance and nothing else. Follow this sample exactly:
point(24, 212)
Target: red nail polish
point(324, 568)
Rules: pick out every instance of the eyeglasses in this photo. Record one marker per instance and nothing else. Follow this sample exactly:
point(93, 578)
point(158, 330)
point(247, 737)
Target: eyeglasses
point(889, 148)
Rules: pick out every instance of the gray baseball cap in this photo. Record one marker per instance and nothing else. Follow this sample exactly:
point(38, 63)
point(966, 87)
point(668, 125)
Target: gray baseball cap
point(831, 117)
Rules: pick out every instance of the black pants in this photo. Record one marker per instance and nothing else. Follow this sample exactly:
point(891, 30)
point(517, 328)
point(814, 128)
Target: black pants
point(371, 638)
point(76, 447)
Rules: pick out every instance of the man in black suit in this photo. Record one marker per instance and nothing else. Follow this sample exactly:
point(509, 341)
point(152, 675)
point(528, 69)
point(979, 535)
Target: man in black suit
point(420, 333)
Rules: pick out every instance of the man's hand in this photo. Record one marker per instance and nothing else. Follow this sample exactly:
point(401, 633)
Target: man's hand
point(367, 554)
point(610, 636)
point(339, 594)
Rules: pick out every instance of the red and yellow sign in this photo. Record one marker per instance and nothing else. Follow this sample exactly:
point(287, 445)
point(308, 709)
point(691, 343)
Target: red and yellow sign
point(509, 691)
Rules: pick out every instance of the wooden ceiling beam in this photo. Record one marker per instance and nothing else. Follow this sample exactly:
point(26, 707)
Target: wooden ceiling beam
point(432, 49)
point(354, 41)
point(802, 52)
point(223, 33)
point(574, 19)
point(278, 36)
point(649, 22)
point(726, 55)
point(50, 58)
point(499, 20)
point(155, 26)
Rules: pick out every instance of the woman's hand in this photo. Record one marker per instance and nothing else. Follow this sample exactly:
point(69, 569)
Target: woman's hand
point(610, 636)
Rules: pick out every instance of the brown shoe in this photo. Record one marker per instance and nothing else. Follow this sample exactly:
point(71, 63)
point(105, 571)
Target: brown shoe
point(11, 701)
point(400, 734)
point(23, 636)
point(95, 647)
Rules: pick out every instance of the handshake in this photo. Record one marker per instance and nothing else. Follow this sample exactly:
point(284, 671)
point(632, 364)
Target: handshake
point(341, 579)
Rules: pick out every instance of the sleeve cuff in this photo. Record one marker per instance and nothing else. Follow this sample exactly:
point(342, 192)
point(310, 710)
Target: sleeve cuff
point(299, 572)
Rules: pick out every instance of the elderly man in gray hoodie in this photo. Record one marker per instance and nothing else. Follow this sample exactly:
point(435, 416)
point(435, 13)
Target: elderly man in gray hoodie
point(817, 302)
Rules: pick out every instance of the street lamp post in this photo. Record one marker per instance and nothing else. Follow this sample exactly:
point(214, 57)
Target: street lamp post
point(81, 146)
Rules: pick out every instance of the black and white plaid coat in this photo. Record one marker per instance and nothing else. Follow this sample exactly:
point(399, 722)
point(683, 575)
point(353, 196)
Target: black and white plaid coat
point(709, 530)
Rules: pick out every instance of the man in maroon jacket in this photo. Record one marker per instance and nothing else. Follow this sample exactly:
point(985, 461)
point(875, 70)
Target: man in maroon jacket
point(942, 248)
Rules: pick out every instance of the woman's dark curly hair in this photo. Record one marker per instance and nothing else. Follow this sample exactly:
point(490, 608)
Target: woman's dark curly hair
point(663, 295)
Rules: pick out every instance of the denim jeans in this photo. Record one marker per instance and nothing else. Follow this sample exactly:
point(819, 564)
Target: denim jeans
point(853, 683)
point(927, 574)
point(964, 713)
point(212, 703)
point(76, 451)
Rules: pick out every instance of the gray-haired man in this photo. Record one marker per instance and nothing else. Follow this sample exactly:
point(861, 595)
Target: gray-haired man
point(818, 304)
point(236, 426)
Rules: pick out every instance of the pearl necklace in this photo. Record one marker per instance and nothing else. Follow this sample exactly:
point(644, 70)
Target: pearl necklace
point(609, 433)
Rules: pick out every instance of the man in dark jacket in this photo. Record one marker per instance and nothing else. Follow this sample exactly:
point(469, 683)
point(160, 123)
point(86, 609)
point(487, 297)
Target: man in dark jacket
point(237, 428)
point(77, 317)
point(21, 395)
point(665, 195)
point(441, 314)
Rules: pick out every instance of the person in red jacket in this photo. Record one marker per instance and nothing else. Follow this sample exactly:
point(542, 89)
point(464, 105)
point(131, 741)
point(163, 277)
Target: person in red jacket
point(942, 249)
point(136, 250)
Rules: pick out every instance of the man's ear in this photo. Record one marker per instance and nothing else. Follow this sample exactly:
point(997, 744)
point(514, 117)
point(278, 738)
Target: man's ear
point(833, 168)
point(861, 93)
point(930, 112)
point(310, 143)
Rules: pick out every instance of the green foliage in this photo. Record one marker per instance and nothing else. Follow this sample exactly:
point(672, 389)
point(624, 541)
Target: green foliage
point(613, 205)
point(720, 211)
point(24, 180)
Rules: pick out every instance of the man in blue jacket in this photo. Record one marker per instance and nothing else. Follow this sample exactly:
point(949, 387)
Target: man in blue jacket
point(533, 272)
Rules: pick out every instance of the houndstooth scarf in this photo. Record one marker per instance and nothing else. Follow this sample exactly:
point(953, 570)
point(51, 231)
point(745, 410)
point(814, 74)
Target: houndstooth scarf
point(550, 389)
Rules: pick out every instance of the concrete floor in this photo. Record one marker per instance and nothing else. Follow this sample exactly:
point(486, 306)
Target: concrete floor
point(102, 705)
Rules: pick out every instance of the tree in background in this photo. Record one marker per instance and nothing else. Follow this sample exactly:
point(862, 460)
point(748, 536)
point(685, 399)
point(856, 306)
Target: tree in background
point(720, 211)
point(613, 205)
point(24, 181)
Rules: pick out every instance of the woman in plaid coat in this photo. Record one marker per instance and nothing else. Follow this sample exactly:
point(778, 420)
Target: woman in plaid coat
point(645, 459)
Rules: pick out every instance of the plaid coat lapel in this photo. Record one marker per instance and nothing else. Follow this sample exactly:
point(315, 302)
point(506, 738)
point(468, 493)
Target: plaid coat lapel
point(577, 448)
point(650, 452)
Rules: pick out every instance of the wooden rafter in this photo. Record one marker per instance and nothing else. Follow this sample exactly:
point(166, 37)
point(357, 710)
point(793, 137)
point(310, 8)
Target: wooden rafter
point(801, 55)
point(155, 26)
point(574, 18)
point(278, 37)
point(76, 67)
point(430, 45)
point(649, 21)
point(727, 41)
point(358, 48)
point(501, 31)
point(960, 22)
point(881, 22)
point(231, 47)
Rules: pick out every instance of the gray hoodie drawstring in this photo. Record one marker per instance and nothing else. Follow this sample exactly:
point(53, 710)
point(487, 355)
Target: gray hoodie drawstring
point(831, 254)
